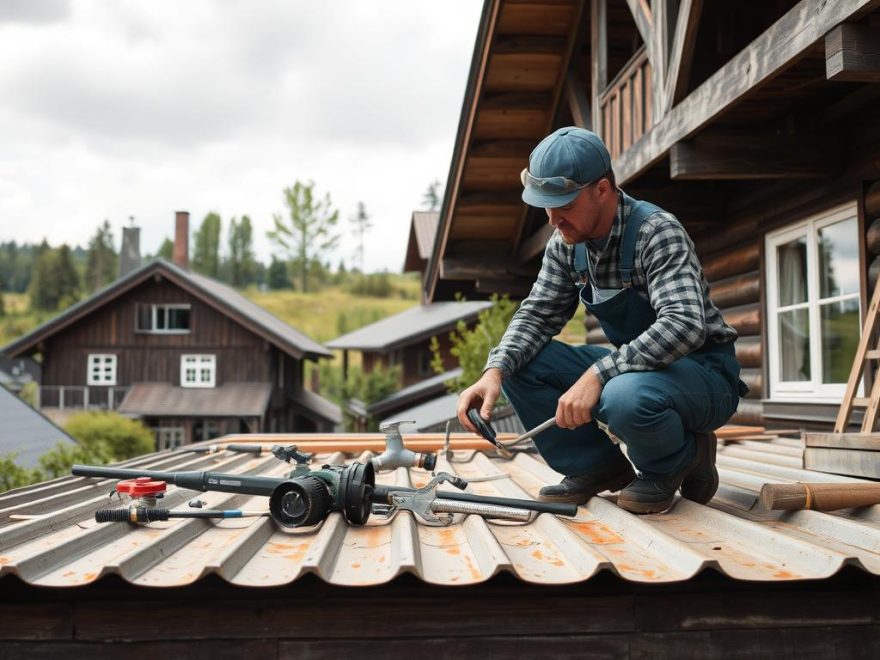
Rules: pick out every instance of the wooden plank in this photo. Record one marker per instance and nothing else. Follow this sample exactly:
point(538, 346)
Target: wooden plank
point(626, 115)
point(638, 104)
point(736, 261)
point(726, 156)
point(599, 59)
point(867, 441)
point(850, 462)
point(534, 244)
point(773, 51)
point(682, 52)
point(578, 103)
point(852, 53)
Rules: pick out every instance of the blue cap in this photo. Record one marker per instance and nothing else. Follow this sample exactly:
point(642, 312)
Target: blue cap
point(571, 152)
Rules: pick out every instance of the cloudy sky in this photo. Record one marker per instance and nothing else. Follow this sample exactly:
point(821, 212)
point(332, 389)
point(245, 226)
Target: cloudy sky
point(131, 108)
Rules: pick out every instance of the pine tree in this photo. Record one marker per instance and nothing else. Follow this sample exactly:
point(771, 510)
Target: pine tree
point(432, 198)
point(276, 276)
point(206, 246)
point(166, 250)
point(310, 231)
point(101, 260)
point(361, 222)
point(242, 264)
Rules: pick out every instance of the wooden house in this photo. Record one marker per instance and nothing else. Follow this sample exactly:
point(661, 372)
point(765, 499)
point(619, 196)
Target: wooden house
point(189, 355)
point(756, 123)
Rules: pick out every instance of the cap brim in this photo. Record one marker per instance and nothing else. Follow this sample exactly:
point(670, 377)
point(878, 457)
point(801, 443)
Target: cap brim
point(542, 200)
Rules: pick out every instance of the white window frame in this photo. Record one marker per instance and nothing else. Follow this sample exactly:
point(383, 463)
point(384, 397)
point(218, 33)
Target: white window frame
point(154, 313)
point(813, 390)
point(169, 437)
point(105, 363)
point(202, 363)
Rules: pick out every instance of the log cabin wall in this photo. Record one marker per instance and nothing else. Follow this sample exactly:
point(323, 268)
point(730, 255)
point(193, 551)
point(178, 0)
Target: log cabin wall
point(155, 357)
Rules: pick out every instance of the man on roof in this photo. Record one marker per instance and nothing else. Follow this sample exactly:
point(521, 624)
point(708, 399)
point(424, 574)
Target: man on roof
point(672, 378)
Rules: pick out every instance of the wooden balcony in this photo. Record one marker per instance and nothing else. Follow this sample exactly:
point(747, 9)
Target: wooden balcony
point(625, 107)
point(69, 397)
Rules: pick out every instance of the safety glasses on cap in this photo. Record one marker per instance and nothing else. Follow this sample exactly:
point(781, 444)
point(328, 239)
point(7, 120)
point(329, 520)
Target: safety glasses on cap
point(550, 184)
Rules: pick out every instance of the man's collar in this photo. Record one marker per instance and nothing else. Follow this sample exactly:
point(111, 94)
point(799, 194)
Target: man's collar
point(600, 244)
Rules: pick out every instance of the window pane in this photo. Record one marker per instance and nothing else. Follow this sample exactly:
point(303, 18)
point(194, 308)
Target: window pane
point(840, 338)
point(792, 260)
point(794, 345)
point(160, 318)
point(839, 259)
point(178, 319)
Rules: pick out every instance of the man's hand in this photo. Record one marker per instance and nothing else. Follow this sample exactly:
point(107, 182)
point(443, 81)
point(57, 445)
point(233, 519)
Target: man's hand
point(575, 406)
point(483, 393)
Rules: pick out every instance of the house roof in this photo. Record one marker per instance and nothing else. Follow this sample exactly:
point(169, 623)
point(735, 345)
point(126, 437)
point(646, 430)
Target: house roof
point(26, 431)
point(49, 538)
point(227, 400)
point(422, 230)
point(409, 326)
point(221, 297)
point(522, 60)
point(317, 404)
point(429, 387)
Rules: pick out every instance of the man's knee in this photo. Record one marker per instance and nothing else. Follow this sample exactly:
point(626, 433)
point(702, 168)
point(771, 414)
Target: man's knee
point(632, 401)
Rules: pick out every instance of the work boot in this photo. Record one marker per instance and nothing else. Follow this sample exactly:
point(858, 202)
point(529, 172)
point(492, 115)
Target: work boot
point(578, 489)
point(698, 480)
point(645, 495)
point(702, 481)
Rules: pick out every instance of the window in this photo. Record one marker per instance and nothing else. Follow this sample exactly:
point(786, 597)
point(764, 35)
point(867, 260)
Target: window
point(101, 369)
point(813, 305)
point(164, 319)
point(425, 368)
point(198, 370)
point(168, 437)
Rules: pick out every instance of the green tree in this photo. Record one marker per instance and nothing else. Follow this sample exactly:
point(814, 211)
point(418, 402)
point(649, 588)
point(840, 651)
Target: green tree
point(242, 264)
point(472, 345)
point(2, 306)
point(367, 388)
point(310, 231)
point(206, 246)
point(361, 223)
point(13, 475)
point(431, 198)
point(101, 259)
point(166, 250)
point(55, 283)
point(276, 275)
point(104, 437)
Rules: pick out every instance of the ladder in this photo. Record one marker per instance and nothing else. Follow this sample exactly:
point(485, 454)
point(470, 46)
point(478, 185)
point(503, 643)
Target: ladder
point(863, 355)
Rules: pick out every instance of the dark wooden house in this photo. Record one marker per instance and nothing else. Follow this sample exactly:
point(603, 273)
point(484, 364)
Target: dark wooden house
point(189, 355)
point(756, 123)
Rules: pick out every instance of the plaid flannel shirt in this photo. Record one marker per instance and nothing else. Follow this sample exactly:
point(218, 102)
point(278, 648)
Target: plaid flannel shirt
point(666, 272)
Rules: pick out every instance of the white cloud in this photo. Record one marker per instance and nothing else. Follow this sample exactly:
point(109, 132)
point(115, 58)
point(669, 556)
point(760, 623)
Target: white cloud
point(132, 108)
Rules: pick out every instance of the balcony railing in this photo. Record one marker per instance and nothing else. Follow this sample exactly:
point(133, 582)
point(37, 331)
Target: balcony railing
point(626, 105)
point(74, 397)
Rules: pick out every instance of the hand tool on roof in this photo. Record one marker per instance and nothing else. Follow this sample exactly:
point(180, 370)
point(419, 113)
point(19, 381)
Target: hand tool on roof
point(819, 496)
point(485, 429)
point(309, 497)
point(396, 455)
point(145, 493)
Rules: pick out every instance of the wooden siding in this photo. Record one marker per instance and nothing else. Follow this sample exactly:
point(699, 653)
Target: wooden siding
point(408, 357)
point(154, 357)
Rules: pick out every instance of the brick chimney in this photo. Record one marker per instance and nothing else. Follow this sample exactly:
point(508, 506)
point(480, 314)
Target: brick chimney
point(181, 239)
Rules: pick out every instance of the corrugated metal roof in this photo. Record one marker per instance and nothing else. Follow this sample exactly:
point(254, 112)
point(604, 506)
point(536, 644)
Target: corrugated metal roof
point(26, 432)
point(408, 326)
point(434, 385)
point(63, 546)
point(318, 404)
point(228, 400)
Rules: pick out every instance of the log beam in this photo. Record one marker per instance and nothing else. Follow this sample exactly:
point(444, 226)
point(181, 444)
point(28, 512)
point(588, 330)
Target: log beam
point(852, 53)
point(771, 53)
point(755, 156)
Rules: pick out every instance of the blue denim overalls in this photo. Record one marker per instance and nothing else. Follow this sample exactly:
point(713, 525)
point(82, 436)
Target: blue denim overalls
point(654, 412)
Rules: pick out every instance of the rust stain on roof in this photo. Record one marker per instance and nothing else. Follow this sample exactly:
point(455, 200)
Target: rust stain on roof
point(61, 545)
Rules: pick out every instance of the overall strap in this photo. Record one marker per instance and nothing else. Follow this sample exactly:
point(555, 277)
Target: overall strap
point(639, 212)
point(580, 259)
